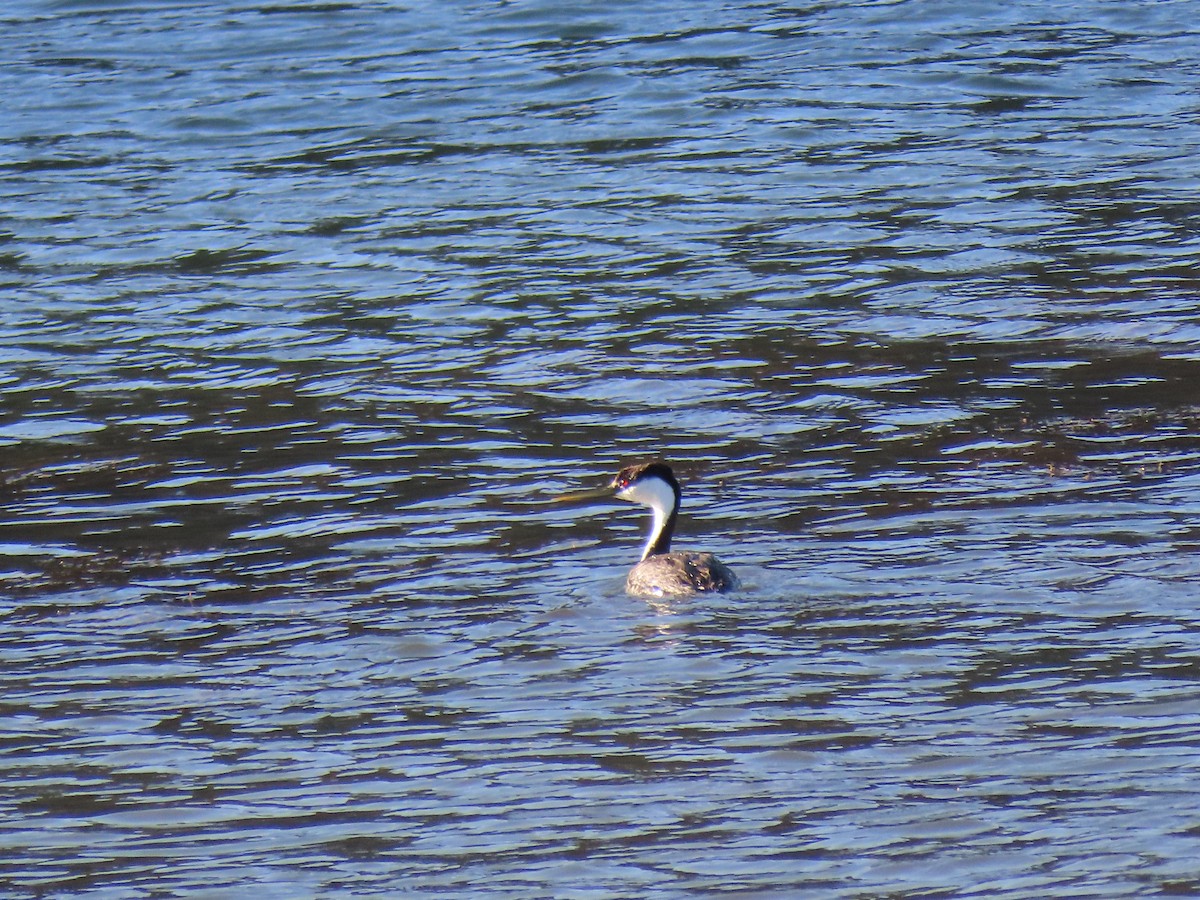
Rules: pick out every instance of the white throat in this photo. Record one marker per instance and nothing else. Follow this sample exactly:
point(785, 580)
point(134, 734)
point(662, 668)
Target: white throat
point(659, 496)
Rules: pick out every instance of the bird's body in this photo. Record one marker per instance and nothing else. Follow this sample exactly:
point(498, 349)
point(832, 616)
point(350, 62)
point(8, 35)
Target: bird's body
point(661, 572)
point(679, 573)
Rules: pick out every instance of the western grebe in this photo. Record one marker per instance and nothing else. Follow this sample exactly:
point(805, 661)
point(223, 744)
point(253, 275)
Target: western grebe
point(661, 572)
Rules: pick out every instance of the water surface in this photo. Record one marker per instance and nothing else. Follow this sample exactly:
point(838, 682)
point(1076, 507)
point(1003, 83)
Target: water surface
point(308, 309)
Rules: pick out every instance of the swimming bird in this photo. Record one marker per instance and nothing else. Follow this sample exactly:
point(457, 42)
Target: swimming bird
point(661, 572)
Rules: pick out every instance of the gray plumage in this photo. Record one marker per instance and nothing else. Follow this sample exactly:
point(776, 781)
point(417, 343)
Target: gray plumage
point(679, 574)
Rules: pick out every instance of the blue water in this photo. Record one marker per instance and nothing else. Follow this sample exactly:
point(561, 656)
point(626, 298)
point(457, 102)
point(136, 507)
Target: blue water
point(309, 309)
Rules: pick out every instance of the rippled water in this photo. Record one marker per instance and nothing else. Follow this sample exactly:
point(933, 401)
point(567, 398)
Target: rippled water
point(308, 309)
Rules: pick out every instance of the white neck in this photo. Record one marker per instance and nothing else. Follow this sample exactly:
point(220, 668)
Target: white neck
point(660, 497)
